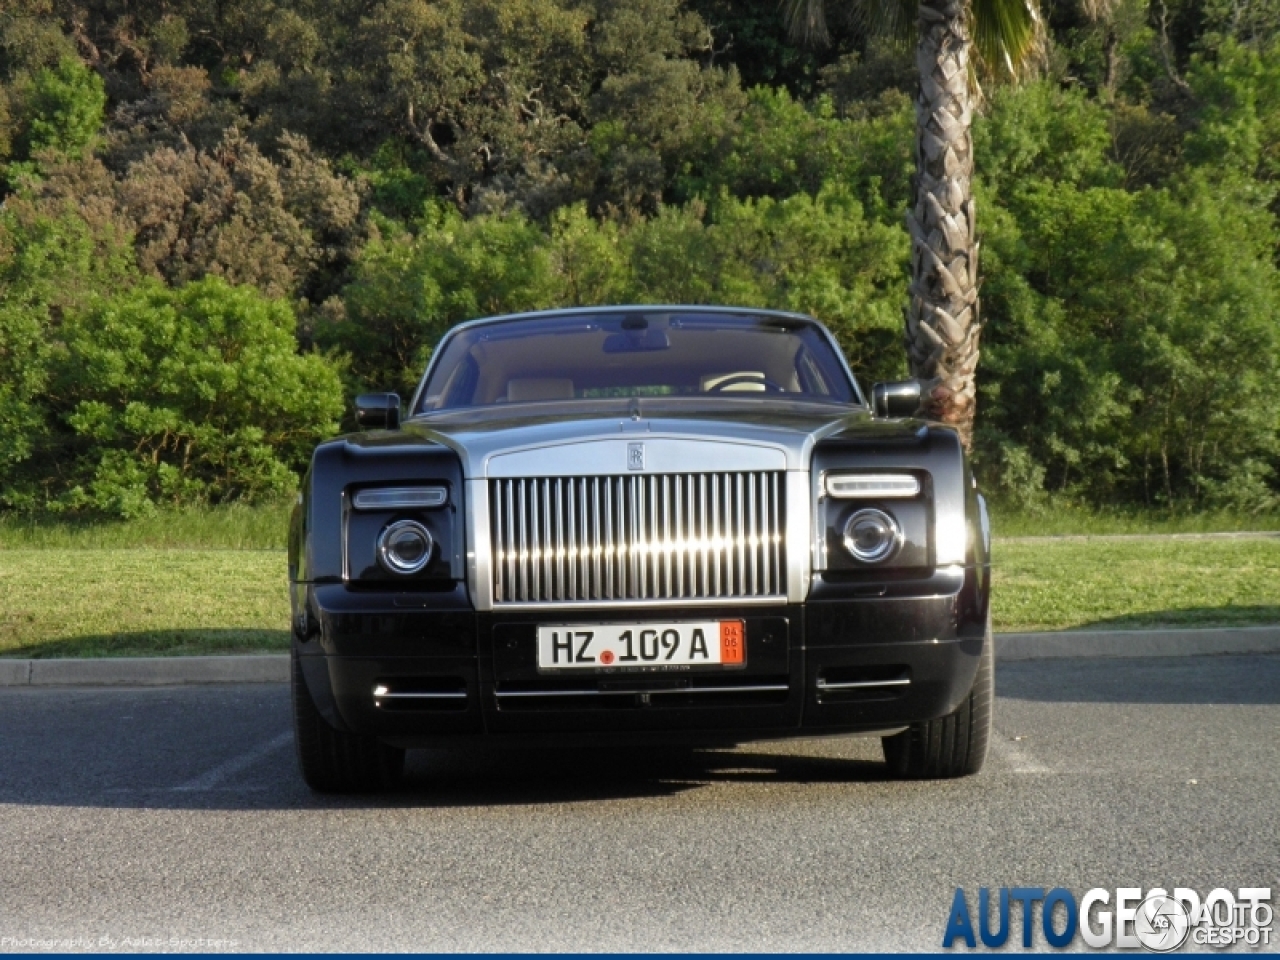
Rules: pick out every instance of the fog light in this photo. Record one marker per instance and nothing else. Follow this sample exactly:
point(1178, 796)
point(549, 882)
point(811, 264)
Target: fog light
point(404, 547)
point(872, 536)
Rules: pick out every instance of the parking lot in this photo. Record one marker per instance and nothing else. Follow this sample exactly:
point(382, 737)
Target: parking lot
point(176, 813)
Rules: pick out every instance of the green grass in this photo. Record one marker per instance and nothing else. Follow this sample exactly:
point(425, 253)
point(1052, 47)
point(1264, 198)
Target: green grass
point(1067, 520)
point(213, 581)
point(1129, 584)
point(141, 602)
point(235, 527)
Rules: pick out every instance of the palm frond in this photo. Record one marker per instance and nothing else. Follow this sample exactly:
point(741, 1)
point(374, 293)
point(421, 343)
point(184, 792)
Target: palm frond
point(892, 19)
point(807, 21)
point(1008, 36)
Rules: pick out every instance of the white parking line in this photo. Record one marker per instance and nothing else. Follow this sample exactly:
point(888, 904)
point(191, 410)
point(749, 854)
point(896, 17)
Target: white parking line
point(1018, 760)
point(211, 779)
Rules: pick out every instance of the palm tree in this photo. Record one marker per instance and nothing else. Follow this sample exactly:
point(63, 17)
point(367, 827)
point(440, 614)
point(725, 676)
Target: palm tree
point(955, 41)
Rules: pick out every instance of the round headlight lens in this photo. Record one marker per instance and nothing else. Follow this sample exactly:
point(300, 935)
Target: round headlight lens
point(405, 547)
point(872, 536)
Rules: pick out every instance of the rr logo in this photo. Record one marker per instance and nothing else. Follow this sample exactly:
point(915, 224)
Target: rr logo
point(635, 456)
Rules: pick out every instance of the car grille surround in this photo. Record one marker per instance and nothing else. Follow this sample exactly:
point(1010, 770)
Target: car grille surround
point(638, 538)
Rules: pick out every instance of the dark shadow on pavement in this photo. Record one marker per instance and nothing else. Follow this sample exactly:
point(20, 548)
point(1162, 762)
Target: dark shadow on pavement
point(230, 748)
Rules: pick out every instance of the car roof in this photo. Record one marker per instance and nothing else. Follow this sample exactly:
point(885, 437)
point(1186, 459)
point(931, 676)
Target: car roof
point(632, 307)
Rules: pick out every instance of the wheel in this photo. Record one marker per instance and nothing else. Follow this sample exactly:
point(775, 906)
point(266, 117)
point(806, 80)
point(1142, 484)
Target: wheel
point(332, 761)
point(954, 745)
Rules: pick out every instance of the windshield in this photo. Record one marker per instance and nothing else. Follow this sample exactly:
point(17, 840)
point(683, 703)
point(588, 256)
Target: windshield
point(636, 353)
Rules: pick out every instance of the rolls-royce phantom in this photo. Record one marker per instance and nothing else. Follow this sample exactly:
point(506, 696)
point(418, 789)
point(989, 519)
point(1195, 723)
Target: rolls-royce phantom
point(622, 524)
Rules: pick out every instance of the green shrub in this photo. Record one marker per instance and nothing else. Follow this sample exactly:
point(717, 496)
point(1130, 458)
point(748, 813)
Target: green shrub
point(187, 396)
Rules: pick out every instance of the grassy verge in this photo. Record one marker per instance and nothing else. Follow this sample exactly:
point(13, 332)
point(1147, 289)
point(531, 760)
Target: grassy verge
point(235, 527)
point(141, 602)
point(1066, 520)
point(58, 602)
point(1136, 584)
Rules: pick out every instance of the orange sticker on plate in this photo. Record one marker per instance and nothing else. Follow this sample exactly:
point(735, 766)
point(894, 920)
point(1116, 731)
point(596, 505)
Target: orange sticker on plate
point(733, 641)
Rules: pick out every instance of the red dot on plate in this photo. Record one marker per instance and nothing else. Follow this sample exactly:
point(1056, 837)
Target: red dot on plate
point(606, 657)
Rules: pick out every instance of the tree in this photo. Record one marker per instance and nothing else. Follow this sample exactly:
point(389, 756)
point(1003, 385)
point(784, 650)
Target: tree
point(942, 323)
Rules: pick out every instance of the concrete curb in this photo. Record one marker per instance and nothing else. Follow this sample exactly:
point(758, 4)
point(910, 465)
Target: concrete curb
point(274, 668)
point(145, 671)
point(1137, 643)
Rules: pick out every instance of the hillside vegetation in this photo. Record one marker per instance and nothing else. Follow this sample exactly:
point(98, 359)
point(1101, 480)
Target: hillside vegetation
point(220, 219)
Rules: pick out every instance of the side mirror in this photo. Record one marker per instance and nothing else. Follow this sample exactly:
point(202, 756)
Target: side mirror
point(378, 411)
point(900, 398)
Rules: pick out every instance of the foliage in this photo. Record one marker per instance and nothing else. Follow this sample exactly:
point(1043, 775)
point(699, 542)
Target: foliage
point(60, 111)
point(187, 395)
point(356, 177)
point(1132, 334)
point(52, 264)
point(812, 254)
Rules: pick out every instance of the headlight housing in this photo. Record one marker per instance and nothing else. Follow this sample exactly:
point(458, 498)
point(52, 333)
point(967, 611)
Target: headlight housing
point(872, 536)
point(405, 547)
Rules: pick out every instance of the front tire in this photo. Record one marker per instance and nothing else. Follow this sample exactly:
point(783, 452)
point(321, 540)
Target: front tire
point(333, 761)
point(954, 745)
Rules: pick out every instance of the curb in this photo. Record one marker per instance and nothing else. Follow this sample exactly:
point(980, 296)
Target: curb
point(1137, 643)
point(145, 671)
point(274, 668)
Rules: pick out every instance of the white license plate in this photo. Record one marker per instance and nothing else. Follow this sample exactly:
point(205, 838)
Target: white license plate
point(642, 646)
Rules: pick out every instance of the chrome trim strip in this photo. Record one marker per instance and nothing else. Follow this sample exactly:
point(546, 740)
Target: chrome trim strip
point(479, 548)
point(607, 456)
point(419, 696)
point(864, 684)
point(799, 507)
point(755, 688)
point(552, 606)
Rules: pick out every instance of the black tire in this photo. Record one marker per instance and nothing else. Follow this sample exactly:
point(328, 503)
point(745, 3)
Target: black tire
point(333, 761)
point(954, 745)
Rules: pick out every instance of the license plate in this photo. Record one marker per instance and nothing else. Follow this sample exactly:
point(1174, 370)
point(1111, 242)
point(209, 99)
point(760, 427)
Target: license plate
point(642, 647)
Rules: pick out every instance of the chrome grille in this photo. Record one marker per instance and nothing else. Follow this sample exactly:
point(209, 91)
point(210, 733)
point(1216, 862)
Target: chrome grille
point(651, 537)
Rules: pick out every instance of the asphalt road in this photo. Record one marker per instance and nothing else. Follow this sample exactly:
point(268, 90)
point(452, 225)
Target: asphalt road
point(142, 816)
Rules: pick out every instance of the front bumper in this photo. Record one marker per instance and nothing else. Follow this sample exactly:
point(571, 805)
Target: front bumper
point(424, 669)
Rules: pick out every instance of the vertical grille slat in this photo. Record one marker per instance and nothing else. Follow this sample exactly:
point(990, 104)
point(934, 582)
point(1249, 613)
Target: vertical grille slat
point(714, 536)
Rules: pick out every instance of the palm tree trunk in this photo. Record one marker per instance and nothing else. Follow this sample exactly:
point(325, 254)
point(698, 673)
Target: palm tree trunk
point(942, 315)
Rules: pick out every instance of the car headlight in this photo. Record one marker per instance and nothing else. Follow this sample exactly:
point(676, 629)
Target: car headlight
point(404, 547)
point(872, 536)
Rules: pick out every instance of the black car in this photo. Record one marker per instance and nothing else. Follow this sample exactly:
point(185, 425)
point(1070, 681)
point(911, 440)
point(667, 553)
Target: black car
point(615, 524)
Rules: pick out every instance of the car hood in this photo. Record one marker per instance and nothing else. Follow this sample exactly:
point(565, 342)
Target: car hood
point(674, 434)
